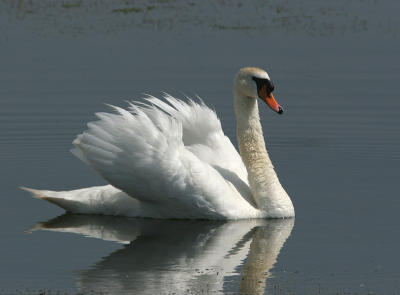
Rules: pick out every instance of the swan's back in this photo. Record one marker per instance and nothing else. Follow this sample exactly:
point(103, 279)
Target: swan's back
point(172, 156)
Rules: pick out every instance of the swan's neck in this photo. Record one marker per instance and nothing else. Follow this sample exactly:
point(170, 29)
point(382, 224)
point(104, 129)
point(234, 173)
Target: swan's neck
point(267, 191)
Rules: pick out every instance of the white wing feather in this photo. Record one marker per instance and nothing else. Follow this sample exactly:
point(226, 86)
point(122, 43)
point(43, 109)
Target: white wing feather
point(202, 133)
point(173, 157)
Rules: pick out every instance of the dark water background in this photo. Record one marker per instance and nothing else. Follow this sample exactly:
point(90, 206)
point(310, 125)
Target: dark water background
point(336, 149)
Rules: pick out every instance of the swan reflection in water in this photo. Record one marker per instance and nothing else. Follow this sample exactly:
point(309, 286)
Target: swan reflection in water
point(167, 256)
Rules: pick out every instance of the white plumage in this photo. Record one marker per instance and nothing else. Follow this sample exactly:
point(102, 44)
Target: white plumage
point(170, 159)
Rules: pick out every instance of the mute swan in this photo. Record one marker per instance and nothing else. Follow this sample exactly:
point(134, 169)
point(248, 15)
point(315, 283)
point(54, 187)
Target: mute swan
point(172, 160)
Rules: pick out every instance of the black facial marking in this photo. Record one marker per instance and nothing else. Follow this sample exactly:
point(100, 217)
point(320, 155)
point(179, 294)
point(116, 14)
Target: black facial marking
point(261, 82)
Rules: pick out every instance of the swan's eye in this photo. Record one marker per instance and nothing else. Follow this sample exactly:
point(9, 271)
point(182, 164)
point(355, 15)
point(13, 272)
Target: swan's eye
point(264, 82)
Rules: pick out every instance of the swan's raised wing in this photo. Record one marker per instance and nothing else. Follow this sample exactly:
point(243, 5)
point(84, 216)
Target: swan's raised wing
point(202, 133)
point(142, 152)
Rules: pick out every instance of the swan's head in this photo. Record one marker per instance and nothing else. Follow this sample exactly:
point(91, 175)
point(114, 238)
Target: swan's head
point(255, 83)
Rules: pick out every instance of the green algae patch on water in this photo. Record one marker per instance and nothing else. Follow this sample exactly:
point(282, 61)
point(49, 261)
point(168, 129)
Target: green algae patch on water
point(128, 10)
point(70, 5)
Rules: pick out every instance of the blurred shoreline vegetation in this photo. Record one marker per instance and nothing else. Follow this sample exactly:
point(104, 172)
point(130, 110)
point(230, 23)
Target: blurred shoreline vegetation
point(314, 18)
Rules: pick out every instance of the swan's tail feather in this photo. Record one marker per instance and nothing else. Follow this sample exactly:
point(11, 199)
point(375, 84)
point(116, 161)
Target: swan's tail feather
point(51, 196)
point(38, 194)
point(105, 199)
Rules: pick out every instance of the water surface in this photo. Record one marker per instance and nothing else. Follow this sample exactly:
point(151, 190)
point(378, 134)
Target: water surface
point(336, 149)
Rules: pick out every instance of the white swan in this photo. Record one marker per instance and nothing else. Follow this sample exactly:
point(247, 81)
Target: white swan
point(172, 160)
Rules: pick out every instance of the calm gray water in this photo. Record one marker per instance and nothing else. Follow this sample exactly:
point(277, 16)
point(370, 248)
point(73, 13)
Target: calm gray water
point(336, 149)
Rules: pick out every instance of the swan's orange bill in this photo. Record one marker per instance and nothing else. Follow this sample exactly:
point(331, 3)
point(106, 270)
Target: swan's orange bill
point(270, 100)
